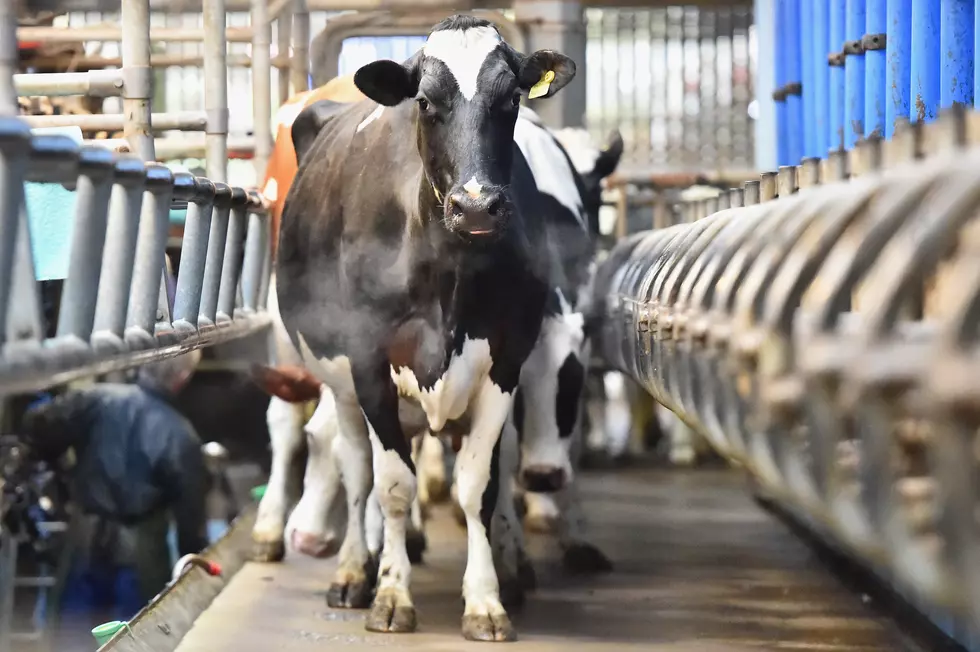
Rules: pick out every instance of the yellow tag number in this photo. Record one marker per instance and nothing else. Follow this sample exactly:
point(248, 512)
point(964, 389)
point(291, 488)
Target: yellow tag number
point(541, 88)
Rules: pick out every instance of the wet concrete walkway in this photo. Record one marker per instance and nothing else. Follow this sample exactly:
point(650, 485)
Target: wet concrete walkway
point(699, 567)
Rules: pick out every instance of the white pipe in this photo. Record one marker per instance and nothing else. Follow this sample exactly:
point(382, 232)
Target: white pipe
point(99, 83)
point(261, 85)
point(216, 90)
point(138, 87)
point(180, 121)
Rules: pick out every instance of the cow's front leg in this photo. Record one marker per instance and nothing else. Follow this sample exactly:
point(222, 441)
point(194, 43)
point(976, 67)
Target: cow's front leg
point(477, 471)
point(394, 487)
point(578, 555)
point(514, 569)
point(285, 421)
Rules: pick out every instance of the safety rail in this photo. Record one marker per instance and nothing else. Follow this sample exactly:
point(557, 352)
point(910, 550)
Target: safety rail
point(119, 307)
point(826, 337)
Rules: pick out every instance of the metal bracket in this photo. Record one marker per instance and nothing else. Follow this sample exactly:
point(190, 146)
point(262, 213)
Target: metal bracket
point(852, 48)
point(779, 95)
point(217, 121)
point(835, 59)
point(872, 42)
point(137, 82)
point(793, 88)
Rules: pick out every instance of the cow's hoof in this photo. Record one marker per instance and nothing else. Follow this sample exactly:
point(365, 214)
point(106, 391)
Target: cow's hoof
point(586, 558)
point(438, 490)
point(485, 627)
point(540, 524)
point(314, 545)
point(415, 545)
point(527, 575)
point(268, 551)
point(388, 617)
point(350, 595)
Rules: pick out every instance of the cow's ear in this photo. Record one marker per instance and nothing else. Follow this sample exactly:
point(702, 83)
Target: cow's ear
point(387, 82)
point(545, 72)
point(609, 157)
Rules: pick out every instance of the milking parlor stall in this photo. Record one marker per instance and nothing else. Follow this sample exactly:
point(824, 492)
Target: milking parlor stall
point(771, 438)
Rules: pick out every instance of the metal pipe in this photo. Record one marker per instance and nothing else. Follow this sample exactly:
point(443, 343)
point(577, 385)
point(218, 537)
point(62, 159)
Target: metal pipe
point(9, 59)
point(138, 87)
point(97, 83)
point(807, 78)
point(231, 269)
point(821, 77)
point(193, 255)
point(171, 148)
point(956, 46)
point(216, 91)
point(898, 74)
point(261, 85)
point(875, 67)
point(109, 33)
point(156, 61)
point(284, 31)
point(854, 72)
point(182, 121)
point(112, 302)
point(779, 95)
point(925, 61)
point(213, 264)
point(15, 146)
point(300, 62)
point(835, 54)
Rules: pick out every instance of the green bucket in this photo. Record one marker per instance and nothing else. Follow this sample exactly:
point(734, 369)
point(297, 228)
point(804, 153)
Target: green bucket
point(258, 492)
point(105, 631)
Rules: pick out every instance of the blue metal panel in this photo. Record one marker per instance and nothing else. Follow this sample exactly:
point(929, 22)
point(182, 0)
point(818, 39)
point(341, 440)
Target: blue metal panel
point(782, 140)
point(809, 89)
point(898, 76)
point(874, 72)
point(821, 76)
point(976, 48)
point(854, 75)
point(956, 47)
point(925, 60)
point(794, 102)
point(836, 44)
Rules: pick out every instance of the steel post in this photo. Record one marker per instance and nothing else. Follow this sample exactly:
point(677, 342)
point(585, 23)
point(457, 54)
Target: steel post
point(284, 35)
point(138, 86)
point(261, 86)
point(898, 74)
point(956, 47)
point(854, 72)
point(925, 60)
point(14, 150)
point(216, 90)
point(181, 121)
point(875, 65)
point(299, 68)
point(9, 58)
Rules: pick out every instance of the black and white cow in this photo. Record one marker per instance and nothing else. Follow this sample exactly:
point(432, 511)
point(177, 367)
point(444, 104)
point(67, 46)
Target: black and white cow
point(409, 268)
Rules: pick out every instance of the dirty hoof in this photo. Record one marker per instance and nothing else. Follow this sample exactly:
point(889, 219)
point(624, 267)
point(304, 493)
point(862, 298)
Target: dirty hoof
point(540, 524)
point(586, 558)
point(527, 575)
point(314, 545)
point(388, 617)
point(438, 490)
point(485, 627)
point(350, 594)
point(268, 551)
point(415, 545)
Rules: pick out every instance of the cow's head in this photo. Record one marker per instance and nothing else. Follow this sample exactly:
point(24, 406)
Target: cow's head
point(592, 163)
point(467, 84)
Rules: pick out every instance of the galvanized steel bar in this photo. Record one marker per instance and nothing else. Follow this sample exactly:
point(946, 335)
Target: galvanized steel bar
point(261, 85)
point(138, 86)
point(9, 58)
point(875, 67)
point(15, 146)
point(925, 62)
point(216, 90)
point(98, 83)
point(182, 121)
point(231, 269)
point(193, 256)
point(214, 263)
point(898, 75)
point(956, 47)
point(299, 69)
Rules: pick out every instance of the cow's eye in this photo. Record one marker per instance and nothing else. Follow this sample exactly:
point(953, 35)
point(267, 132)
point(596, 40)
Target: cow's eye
point(423, 104)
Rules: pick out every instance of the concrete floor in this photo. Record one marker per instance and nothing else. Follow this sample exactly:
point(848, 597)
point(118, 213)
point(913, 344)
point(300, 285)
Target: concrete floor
point(698, 567)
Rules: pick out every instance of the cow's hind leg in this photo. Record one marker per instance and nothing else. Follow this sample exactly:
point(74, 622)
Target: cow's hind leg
point(316, 525)
point(477, 474)
point(285, 422)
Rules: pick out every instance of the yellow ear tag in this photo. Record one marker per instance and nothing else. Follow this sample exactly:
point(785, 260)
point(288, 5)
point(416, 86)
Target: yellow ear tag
point(542, 86)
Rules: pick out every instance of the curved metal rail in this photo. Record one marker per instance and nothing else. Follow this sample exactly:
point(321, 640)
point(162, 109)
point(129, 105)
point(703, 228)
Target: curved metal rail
point(792, 334)
point(119, 306)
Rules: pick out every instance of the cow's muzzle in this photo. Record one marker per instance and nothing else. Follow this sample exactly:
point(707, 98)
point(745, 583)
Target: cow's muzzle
point(477, 215)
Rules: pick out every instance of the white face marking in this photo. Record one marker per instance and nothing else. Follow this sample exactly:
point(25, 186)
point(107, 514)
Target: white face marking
point(271, 190)
point(463, 52)
point(371, 118)
point(450, 396)
point(473, 188)
point(551, 171)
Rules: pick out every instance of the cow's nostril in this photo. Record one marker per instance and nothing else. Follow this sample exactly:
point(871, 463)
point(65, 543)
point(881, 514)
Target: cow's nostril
point(494, 207)
point(543, 480)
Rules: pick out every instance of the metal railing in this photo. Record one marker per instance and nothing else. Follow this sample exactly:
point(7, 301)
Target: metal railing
point(116, 310)
point(825, 336)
